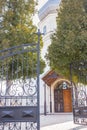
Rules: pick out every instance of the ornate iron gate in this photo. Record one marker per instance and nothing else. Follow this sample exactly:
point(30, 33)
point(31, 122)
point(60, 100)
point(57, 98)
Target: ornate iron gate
point(79, 75)
point(19, 88)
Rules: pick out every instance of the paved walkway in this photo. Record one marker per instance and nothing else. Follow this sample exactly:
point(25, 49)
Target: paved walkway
point(63, 121)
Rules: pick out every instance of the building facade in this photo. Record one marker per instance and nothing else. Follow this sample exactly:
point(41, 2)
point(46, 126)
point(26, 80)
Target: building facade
point(47, 16)
point(53, 95)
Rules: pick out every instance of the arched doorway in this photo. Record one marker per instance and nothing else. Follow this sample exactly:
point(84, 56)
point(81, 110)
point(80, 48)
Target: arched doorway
point(62, 98)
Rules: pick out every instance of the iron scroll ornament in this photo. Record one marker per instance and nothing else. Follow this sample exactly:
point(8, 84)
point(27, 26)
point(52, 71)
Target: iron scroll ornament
point(20, 87)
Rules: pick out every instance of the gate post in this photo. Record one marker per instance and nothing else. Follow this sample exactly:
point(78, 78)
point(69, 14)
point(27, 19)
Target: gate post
point(38, 72)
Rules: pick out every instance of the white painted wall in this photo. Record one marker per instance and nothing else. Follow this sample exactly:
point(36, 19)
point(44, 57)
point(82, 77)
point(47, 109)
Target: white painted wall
point(50, 23)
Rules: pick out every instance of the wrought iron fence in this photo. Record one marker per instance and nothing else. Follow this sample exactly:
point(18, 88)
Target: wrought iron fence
point(79, 94)
point(19, 87)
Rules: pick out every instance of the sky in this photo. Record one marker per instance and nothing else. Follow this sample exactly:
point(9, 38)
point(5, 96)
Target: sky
point(40, 4)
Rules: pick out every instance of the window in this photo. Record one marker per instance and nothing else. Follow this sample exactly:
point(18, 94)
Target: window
point(44, 30)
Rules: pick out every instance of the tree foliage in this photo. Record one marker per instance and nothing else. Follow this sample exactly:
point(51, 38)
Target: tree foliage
point(69, 43)
point(16, 25)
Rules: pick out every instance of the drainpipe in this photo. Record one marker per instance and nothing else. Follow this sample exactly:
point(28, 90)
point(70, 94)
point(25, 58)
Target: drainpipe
point(50, 101)
point(45, 100)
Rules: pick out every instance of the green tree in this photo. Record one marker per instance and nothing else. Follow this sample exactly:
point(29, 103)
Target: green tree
point(16, 26)
point(69, 43)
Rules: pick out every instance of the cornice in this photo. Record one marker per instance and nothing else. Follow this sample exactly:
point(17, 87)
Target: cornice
point(49, 8)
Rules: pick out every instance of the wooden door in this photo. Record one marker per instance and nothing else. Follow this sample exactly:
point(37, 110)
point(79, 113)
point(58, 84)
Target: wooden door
point(67, 99)
point(58, 100)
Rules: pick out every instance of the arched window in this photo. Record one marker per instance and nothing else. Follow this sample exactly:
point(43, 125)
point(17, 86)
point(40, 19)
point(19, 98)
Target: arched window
point(44, 29)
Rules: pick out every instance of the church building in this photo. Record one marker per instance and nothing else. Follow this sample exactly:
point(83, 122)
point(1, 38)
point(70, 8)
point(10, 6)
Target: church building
point(55, 90)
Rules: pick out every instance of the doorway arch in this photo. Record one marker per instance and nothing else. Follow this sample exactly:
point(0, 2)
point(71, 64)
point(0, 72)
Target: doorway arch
point(53, 81)
point(62, 97)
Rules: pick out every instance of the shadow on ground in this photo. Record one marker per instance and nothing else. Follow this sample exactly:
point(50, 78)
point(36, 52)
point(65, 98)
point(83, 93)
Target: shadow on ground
point(79, 128)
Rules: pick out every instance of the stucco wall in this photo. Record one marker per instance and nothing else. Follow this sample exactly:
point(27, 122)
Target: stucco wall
point(50, 23)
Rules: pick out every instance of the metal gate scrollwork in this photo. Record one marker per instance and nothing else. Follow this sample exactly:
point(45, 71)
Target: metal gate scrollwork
point(19, 87)
point(79, 94)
